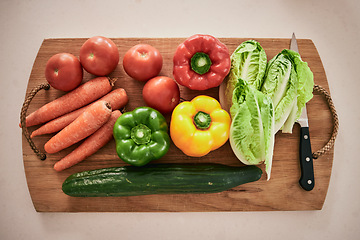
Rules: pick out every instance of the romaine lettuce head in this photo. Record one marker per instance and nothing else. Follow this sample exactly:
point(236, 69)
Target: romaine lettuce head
point(305, 78)
point(280, 84)
point(289, 82)
point(252, 127)
point(248, 62)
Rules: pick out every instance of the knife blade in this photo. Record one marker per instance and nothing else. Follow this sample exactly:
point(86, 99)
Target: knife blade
point(307, 179)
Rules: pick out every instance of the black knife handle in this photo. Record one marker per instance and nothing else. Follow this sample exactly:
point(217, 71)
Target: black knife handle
point(307, 180)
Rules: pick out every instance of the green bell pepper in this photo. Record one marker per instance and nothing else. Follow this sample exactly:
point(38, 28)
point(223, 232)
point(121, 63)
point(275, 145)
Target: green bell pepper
point(141, 136)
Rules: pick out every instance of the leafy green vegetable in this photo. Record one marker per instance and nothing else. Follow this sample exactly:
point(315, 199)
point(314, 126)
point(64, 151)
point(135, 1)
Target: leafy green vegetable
point(248, 62)
point(305, 82)
point(265, 97)
point(281, 86)
point(289, 82)
point(252, 127)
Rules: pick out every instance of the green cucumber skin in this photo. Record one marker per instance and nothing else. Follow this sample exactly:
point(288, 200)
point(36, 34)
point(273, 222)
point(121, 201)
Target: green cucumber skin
point(159, 179)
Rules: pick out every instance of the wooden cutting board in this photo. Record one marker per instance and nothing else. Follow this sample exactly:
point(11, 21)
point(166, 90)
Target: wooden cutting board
point(282, 192)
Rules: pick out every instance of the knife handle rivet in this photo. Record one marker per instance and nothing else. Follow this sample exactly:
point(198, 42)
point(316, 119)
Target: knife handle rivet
point(307, 159)
point(306, 136)
point(309, 181)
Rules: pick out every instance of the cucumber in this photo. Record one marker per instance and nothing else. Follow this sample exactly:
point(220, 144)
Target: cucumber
point(166, 178)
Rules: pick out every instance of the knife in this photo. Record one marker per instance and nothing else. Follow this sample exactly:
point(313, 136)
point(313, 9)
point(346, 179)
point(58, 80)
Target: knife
point(307, 180)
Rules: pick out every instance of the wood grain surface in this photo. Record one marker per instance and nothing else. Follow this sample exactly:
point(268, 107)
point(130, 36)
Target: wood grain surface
point(282, 192)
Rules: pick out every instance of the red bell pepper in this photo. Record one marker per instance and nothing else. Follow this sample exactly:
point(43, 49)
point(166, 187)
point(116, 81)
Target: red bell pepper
point(201, 62)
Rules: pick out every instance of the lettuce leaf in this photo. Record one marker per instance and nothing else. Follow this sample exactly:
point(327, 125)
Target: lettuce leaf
point(289, 82)
point(306, 81)
point(248, 62)
point(252, 127)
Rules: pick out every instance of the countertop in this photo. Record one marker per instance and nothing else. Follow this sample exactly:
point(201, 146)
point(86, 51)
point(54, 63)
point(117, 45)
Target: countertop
point(334, 27)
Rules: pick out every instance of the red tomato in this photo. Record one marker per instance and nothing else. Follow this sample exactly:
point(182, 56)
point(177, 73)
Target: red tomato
point(99, 56)
point(63, 71)
point(142, 62)
point(161, 93)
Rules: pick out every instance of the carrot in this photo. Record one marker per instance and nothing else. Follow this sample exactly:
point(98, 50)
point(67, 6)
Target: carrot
point(83, 126)
point(79, 97)
point(117, 99)
point(91, 145)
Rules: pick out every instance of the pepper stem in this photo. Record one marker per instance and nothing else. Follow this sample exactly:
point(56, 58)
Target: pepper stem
point(202, 120)
point(200, 63)
point(141, 134)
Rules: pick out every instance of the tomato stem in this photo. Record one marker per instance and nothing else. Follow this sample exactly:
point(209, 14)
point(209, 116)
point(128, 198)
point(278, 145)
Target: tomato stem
point(143, 54)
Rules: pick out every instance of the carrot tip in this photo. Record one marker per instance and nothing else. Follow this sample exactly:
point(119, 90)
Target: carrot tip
point(108, 105)
point(112, 81)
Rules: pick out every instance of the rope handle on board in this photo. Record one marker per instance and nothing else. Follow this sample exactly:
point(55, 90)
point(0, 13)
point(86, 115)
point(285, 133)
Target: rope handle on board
point(24, 109)
point(331, 141)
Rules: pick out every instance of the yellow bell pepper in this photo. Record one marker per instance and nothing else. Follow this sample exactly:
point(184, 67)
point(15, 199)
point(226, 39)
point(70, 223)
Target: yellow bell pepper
point(199, 126)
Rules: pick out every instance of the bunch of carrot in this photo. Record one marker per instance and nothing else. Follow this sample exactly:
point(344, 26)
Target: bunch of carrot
point(88, 112)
